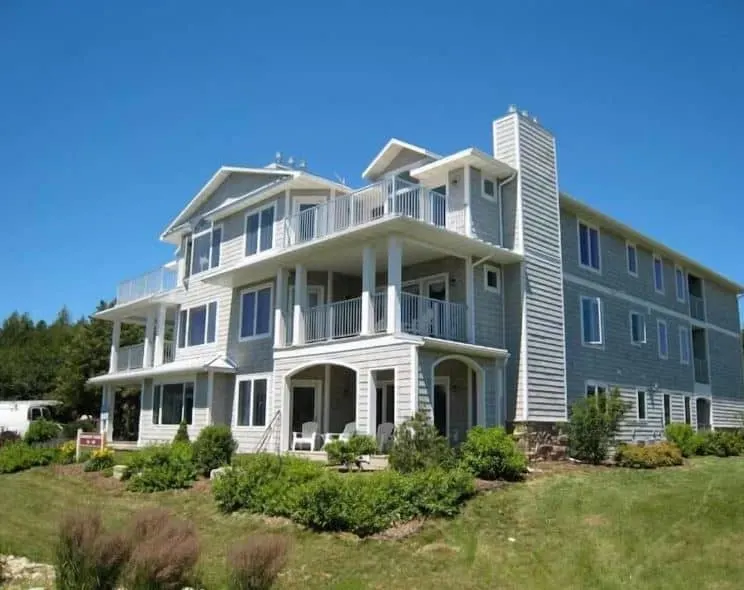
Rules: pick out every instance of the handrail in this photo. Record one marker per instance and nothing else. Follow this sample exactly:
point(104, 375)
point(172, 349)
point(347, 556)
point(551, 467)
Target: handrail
point(267, 432)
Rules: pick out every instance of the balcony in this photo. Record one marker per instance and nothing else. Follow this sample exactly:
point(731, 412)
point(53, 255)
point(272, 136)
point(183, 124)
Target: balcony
point(697, 307)
point(420, 316)
point(387, 199)
point(133, 357)
point(701, 371)
point(152, 283)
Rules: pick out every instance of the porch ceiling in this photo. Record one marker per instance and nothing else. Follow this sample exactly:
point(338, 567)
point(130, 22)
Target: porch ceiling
point(135, 312)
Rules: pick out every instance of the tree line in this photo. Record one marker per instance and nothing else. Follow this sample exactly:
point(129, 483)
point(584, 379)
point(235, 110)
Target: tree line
point(40, 360)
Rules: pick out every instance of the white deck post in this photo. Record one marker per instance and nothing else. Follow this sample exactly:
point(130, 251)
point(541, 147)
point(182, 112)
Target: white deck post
point(394, 273)
point(300, 303)
point(368, 290)
point(149, 335)
point(108, 396)
point(469, 300)
point(280, 327)
point(160, 337)
point(114, 357)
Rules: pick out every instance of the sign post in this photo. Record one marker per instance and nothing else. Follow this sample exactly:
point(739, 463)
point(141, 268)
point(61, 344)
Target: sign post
point(88, 439)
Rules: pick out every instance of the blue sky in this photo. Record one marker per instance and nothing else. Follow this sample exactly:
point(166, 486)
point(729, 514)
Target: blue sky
point(114, 114)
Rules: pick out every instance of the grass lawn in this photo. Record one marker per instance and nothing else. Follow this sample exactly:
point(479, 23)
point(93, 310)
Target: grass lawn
point(581, 528)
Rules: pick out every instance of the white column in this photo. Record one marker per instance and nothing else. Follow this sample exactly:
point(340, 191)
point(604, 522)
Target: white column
point(210, 396)
point(280, 326)
point(394, 272)
point(149, 336)
point(368, 290)
point(331, 310)
point(467, 197)
point(114, 357)
point(285, 419)
point(300, 303)
point(470, 300)
point(327, 399)
point(160, 337)
point(372, 404)
point(107, 411)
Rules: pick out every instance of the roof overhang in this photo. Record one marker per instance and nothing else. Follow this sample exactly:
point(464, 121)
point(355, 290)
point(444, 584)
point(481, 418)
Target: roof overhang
point(464, 348)
point(136, 311)
point(435, 173)
point(591, 214)
point(388, 153)
point(219, 364)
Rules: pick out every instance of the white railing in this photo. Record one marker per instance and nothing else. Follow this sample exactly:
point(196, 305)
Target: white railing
point(697, 307)
point(431, 317)
point(701, 370)
point(157, 281)
point(390, 198)
point(340, 319)
point(131, 357)
point(379, 304)
point(169, 351)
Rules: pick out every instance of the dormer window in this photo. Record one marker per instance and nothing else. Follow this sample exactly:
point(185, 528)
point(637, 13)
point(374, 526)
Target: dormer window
point(203, 248)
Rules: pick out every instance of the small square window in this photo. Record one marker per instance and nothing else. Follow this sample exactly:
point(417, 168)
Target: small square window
point(492, 278)
point(489, 188)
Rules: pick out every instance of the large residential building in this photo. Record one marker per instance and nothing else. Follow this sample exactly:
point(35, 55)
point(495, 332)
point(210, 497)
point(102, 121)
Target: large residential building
point(466, 286)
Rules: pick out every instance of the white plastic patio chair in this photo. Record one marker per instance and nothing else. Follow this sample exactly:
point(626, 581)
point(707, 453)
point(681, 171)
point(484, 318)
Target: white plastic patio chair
point(349, 431)
point(308, 436)
point(385, 436)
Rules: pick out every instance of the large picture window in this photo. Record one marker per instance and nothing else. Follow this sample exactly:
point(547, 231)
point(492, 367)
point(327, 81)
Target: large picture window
point(173, 403)
point(197, 325)
point(255, 313)
point(252, 400)
point(203, 248)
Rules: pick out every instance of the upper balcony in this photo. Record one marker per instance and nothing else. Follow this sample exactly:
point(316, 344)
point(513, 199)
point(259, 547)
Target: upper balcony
point(155, 282)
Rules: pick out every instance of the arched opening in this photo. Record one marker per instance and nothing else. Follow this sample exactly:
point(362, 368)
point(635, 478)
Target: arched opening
point(322, 398)
point(456, 394)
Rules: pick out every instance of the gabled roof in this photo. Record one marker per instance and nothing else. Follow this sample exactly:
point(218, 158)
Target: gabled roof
point(390, 152)
point(212, 184)
point(591, 214)
point(435, 173)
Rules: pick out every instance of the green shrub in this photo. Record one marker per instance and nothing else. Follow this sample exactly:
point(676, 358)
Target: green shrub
point(214, 447)
point(161, 467)
point(490, 453)
point(256, 563)
point(593, 425)
point(70, 429)
point(650, 456)
point(99, 460)
point(721, 444)
point(265, 484)
point(684, 437)
point(86, 557)
point(40, 431)
point(182, 434)
point(19, 456)
point(349, 453)
point(418, 445)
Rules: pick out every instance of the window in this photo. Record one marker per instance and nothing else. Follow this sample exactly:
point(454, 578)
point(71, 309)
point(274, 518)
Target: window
point(203, 249)
point(667, 409)
point(641, 404)
point(688, 414)
point(631, 255)
point(658, 274)
point(595, 389)
point(663, 336)
point(492, 278)
point(589, 246)
point(255, 313)
point(197, 325)
point(680, 284)
point(489, 189)
point(637, 328)
point(591, 320)
point(684, 345)
point(173, 403)
point(252, 397)
point(259, 231)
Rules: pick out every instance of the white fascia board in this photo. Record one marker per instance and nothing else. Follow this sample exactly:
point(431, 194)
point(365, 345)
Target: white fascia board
point(383, 156)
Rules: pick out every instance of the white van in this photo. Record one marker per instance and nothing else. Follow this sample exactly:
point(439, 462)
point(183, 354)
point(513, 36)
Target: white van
point(17, 415)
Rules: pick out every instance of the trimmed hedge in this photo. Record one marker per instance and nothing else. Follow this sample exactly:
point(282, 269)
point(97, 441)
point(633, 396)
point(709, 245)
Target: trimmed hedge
point(721, 443)
point(213, 448)
point(650, 456)
point(490, 453)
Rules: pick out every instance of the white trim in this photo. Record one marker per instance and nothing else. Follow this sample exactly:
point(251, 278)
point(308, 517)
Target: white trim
point(685, 334)
point(589, 227)
point(207, 325)
point(193, 237)
point(210, 396)
point(401, 145)
point(645, 405)
point(644, 336)
point(596, 385)
point(628, 245)
point(494, 269)
point(431, 172)
point(317, 385)
point(650, 305)
point(598, 300)
point(659, 323)
point(259, 211)
point(352, 344)
point(252, 377)
point(326, 422)
point(443, 380)
point(653, 273)
point(467, 199)
point(683, 297)
point(256, 289)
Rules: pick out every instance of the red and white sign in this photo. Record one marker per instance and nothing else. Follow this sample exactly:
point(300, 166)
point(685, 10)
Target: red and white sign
point(89, 439)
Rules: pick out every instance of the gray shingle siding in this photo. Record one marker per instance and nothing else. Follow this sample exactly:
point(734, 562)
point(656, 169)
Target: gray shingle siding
point(484, 212)
point(725, 365)
point(251, 356)
point(236, 184)
point(489, 310)
point(722, 307)
point(512, 293)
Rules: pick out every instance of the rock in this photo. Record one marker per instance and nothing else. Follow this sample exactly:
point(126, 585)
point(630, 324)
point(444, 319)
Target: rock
point(119, 471)
point(215, 473)
point(543, 451)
